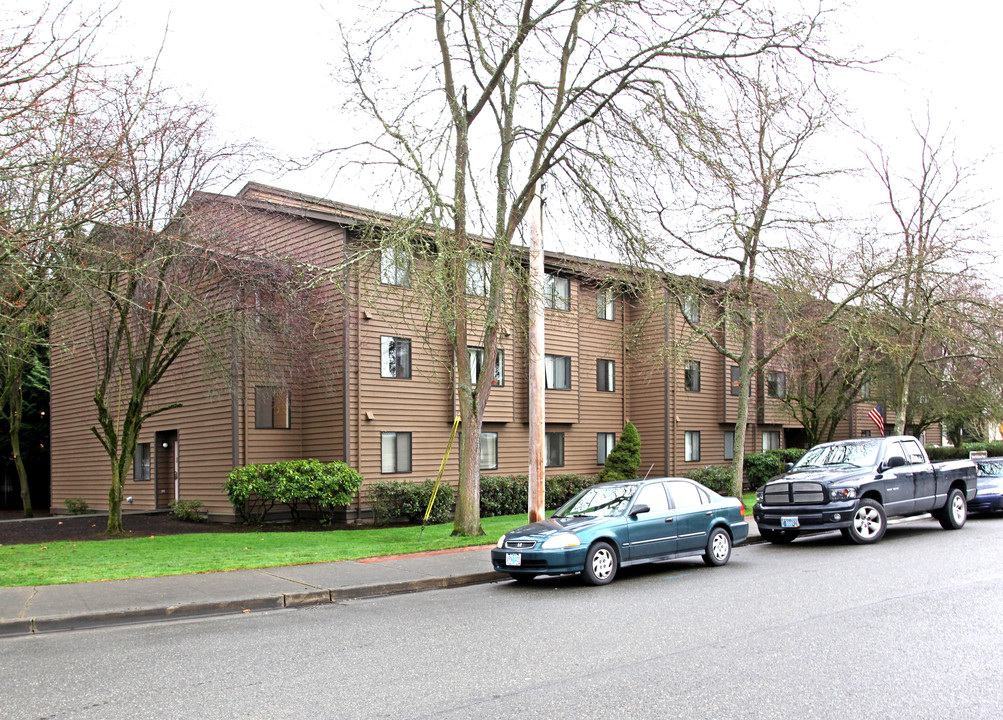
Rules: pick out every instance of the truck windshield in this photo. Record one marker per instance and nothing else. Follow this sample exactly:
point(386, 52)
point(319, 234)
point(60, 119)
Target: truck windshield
point(858, 453)
point(599, 501)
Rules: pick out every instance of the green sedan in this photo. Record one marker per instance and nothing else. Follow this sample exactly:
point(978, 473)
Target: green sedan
point(612, 525)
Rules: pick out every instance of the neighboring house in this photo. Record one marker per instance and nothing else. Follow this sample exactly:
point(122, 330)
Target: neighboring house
point(378, 393)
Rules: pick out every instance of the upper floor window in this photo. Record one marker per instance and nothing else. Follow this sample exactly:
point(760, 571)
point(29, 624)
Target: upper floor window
point(557, 371)
point(557, 292)
point(395, 267)
point(271, 408)
point(605, 305)
point(478, 277)
point(605, 375)
point(395, 357)
point(691, 308)
point(776, 384)
point(475, 356)
point(692, 376)
point(865, 390)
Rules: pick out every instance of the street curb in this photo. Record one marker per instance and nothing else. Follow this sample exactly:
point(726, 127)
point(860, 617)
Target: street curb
point(33, 626)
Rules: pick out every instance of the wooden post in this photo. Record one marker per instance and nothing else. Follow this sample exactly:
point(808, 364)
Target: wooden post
point(537, 383)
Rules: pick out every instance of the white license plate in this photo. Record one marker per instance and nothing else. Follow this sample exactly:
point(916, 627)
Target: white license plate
point(513, 559)
point(789, 522)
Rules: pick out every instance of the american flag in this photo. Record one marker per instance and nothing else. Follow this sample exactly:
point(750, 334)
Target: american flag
point(877, 416)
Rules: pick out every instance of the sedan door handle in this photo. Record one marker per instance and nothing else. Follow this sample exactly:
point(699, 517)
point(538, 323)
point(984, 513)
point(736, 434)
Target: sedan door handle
point(709, 513)
point(670, 519)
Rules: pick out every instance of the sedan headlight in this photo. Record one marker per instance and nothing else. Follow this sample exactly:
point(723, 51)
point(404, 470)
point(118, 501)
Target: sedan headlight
point(561, 540)
point(842, 493)
point(501, 542)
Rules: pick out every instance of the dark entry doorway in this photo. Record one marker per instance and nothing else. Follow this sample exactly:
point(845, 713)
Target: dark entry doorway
point(166, 448)
point(795, 438)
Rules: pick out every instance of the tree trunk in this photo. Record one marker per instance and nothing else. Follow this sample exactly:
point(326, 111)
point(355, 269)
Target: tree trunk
point(742, 416)
point(15, 403)
point(468, 516)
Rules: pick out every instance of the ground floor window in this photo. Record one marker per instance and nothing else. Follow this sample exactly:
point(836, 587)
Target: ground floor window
point(729, 444)
point(489, 451)
point(271, 408)
point(141, 463)
point(771, 440)
point(692, 446)
point(395, 451)
point(604, 444)
point(553, 449)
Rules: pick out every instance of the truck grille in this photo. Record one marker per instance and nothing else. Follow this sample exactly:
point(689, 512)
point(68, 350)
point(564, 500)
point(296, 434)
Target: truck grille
point(794, 493)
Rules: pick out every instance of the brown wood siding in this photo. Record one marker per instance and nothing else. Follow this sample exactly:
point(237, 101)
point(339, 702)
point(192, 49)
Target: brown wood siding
point(647, 402)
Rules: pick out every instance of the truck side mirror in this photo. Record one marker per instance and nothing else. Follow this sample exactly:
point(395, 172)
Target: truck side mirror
point(894, 461)
point(788, 467)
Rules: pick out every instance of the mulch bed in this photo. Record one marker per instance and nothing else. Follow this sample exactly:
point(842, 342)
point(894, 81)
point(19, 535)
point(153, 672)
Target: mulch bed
point(46, 528)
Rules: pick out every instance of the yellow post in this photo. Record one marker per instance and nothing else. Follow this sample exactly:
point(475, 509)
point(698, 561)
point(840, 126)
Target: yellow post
point(438, 479)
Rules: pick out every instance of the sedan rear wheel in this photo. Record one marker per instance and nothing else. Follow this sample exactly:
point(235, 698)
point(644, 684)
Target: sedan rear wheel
point(718, 548)
point(600, 564)
point(869, 523)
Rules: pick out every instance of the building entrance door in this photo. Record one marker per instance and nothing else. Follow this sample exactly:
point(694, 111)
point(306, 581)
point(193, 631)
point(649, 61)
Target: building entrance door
point(166, 448)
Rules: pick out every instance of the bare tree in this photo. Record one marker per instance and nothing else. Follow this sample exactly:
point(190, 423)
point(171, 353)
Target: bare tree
point(507, 95)
point(933, 238)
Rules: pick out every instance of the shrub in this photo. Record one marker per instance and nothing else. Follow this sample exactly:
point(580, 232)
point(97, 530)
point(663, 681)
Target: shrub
point(760, 467)
point(949, 452)
point(188, 510)
point(509, 494)
point(624, 458)
point(408, 501)
point(298, 484)
point(76, 506)
point(716, 477)
point(561, 488)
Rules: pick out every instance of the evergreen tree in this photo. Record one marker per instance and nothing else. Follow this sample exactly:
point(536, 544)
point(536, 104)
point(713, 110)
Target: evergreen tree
point(624, 458)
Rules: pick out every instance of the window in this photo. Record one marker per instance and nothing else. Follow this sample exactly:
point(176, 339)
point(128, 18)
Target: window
point(865, 390)
point(736, 379)
point(729, 444)
point(692, 376)
point(684, 494)
point(771, 440)
point(395, 267)
point(691, 308)
point(478, 277)
point(604, 444)
point(395, 357)
point(913, 452)
point(271, 408)
point(654, 497)
point(865, 433)
point(605, 305)
point(141, 463)
point(605, 375)
point(557, 292)
point(558, 372)
point(692, 452)
point(395, 452)
point(553, 449)
point(489, 451)
point(776, 384)
point(475, 356)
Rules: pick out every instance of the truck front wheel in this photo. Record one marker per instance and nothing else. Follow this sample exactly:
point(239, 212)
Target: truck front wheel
point(869, 523)
point(953, 515)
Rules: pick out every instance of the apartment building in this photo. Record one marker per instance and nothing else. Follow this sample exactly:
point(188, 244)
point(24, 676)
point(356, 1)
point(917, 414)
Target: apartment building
point(380, 389)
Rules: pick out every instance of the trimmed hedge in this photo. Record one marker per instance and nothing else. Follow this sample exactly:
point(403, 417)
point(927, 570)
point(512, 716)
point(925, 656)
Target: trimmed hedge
point(949, 452)
point(760, 467)
point(403, 500)
point(716, 477)
point(298, 484)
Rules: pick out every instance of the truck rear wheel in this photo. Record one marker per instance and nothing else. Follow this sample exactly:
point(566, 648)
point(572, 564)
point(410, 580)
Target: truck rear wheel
point(953, 515)
point(869, 523)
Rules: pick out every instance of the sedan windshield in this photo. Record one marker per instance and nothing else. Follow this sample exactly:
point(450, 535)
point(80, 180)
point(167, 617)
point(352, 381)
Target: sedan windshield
point(990, 469)
point(599, 501)
point(859, 453)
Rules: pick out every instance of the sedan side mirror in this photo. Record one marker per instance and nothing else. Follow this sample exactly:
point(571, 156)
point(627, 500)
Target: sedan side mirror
point(638, 509)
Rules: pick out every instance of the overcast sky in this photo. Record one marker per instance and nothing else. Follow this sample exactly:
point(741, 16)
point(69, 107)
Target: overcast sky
point(265, 67)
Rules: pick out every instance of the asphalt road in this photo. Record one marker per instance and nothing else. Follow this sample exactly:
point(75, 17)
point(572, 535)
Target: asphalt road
point(909, 628)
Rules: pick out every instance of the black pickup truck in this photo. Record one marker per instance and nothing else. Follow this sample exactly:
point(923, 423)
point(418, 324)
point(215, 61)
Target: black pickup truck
point(855, 485)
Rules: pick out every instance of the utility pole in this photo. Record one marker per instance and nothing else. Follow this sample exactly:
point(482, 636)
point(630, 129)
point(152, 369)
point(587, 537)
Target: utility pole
point(537, 383)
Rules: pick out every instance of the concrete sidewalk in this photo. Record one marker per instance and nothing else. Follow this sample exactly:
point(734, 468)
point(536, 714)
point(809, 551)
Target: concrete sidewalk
point(50, 608)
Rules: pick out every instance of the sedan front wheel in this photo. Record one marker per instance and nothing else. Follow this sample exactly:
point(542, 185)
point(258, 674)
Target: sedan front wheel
point(600, 564)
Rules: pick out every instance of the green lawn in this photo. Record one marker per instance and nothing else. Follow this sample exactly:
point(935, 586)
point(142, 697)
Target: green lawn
point(70, 562)
point(749, 499)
